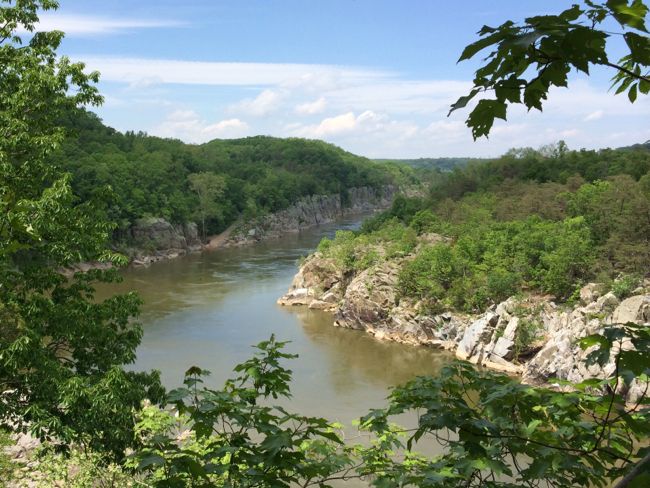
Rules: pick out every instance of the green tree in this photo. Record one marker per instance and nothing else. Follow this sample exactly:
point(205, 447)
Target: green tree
point(61, 352)
point(209, 187)
point(494, 431)
point(497, 432)
point(531, 57)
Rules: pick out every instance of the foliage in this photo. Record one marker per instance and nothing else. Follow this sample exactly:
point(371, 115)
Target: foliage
point(497, 432)
point(358, 252)
point(61, 351)
point(151, 177)
point(530, 58)
point(545, 220)
point(528, 333)
point(489, 264)
point(208, 187)
point(625, 285)
point(235, 437)
point(493, 431)
point(80, 468)
point(7, 468)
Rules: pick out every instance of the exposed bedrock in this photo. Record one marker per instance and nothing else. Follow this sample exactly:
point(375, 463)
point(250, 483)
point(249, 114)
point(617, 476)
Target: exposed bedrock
point(530, 336)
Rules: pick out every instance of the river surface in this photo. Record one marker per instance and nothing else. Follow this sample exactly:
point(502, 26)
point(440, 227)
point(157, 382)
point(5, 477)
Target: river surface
point(209, 309)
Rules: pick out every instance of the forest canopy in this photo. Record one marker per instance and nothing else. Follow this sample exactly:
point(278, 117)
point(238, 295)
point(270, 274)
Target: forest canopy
point(151, 177)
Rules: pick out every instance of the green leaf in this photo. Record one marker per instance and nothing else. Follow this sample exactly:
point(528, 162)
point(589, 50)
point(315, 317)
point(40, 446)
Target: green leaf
point(463, 101)
point(482, 117)
point(639, 48)
point(629, 15)
point(631, 94)
point(151, 460)
point(495, 37)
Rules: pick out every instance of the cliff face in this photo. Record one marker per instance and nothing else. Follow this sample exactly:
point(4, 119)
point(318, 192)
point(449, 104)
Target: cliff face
point(310, 211)
point(530, 336)
point(155, 239)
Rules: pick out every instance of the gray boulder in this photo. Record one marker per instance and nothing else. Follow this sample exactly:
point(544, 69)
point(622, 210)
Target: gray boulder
point(477, 335)
point(634, 309)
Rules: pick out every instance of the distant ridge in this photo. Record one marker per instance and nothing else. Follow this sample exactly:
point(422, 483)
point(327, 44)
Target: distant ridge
point(442, 164)
point(641, 146)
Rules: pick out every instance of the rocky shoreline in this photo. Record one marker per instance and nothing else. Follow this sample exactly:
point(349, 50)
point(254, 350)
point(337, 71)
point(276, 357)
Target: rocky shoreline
point(311, 211)
point(154, 239)
point(530, 336)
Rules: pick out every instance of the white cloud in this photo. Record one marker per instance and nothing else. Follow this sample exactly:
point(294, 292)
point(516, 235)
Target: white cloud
point(394, 95)
point(311, 108)
point(598, 114)
point(188, 126)
point(85, 25)
point(134, 70)
point(334, 125)
point(263, 104)
point(369, 111)
point(366, 127)
point(225, 129)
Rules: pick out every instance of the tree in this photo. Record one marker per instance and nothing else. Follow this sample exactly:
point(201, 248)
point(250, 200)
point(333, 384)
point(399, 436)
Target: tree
point(208, 187)
point(529, 58)
point(236, 437)
point(497, 432)
point(61, 352)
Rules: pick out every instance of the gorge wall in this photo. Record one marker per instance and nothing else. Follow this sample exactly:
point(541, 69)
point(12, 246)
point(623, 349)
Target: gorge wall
point(310, 211)
point(155, 239)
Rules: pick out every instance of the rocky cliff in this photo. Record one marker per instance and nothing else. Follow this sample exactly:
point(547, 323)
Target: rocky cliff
point(530, 336)
point(310, 211)
point(155, 239)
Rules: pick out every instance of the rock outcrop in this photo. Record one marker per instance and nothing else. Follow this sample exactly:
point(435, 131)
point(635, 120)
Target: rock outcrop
point(319, 284)
point(529, 336)
point(155, 239)
point(310, 211)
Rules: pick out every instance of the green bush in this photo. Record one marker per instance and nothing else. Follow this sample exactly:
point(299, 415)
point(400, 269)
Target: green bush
point(490, 263)
point(625, 285)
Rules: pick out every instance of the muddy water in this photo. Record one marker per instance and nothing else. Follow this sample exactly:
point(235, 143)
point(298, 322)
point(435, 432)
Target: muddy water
point(208, 309)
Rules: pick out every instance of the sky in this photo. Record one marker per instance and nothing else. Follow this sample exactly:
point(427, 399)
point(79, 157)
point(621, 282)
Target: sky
point(375, 77)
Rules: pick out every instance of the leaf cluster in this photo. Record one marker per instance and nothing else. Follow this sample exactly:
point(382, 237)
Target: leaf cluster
point(530, 58)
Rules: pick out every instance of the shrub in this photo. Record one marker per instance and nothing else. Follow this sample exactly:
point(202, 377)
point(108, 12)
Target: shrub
point(625, 285)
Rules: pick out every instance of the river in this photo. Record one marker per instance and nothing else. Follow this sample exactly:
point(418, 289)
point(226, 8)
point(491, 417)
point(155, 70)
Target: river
point(209, 309)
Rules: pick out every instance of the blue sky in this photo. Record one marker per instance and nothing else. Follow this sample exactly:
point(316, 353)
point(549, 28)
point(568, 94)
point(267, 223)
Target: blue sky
point(375, 77)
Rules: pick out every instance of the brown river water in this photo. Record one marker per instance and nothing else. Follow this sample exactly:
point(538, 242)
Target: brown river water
point(208, 310)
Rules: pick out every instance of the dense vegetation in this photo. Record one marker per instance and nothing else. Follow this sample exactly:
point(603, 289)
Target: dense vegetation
point(545, 220)
point(442, 164)
point(62, 352)
point(150, 176)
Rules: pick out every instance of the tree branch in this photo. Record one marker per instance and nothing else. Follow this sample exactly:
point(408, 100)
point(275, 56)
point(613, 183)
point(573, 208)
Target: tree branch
point(636, 471)
point(628, 72)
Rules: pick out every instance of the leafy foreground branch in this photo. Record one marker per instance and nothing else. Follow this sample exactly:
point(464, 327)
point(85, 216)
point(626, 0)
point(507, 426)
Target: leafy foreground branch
point(491, 430)
point(529, 58)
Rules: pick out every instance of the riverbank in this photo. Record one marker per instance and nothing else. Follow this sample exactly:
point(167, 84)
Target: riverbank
point(311, 211)
point(155, 239)
point(529, 335)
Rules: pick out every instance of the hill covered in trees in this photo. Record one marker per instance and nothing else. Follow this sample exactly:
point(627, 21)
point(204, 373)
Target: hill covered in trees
point(539, 220)
point(439, 164)
point(150, 176)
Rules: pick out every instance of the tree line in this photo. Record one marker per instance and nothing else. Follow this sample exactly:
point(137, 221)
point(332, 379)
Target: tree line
point(213, 183)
